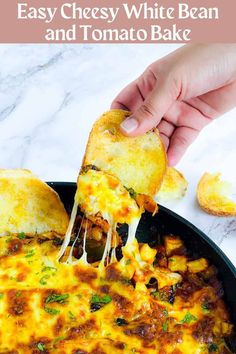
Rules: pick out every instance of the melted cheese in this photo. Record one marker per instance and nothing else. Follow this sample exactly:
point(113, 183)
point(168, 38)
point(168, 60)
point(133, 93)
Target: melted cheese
point(69, 231)
point(126, 306)
point(101, 193)
point(63, 309)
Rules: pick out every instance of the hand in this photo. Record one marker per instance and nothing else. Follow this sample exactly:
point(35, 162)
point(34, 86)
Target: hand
point(180, 94)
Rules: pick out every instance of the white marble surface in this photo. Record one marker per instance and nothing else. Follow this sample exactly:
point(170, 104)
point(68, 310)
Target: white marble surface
point(51, 94)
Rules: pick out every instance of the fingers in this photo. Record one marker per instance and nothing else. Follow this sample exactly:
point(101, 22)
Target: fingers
point(165, 140)
point(166, 129)
point(150, 112)
point(179, 142)
point(130, 98)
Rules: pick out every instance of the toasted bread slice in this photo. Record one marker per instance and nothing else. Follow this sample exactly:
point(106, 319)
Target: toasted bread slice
point(173, 187)
point(212, 195)
point(29, 205)
point(138, 162)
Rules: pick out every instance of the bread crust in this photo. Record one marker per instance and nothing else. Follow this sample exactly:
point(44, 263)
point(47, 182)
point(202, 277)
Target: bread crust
point(212, 195)
point(139, 162)
point(29, 205)
point(174, 185)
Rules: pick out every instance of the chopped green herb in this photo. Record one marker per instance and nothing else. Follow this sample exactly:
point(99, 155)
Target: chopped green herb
point(95, 299)
point(18, 293)
point(165, 326)
point(41, 347)
point(213, 347)
point(160, 295)
point(21, 236)
point(156, 294)
point(1, 295)
point(13, 278)
point(60, 298)
point(174, 287)
point(205, 307)
point(46, 269)
point(132, 193)
point(101, 299)
point(30, 253)
point(188, 318)
point(51, 311)
point(58, 339)
point(43, 280)
point(164, 295)
point(165, 312)
point(71, 315)
point(128, 261)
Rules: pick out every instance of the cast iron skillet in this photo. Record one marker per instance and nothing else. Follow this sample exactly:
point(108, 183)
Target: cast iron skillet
point(165, 222)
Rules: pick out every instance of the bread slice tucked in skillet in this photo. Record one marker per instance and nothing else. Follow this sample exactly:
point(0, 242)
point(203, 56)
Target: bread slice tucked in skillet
point(174, 186)
point(29, 205)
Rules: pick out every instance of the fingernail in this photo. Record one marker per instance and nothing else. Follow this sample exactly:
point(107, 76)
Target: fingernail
point(129, 125)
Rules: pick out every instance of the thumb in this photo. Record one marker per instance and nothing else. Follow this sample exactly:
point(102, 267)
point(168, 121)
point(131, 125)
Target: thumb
point(151, 111)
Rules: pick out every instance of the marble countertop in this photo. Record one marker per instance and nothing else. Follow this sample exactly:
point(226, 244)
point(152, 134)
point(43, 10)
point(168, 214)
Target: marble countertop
point(50, 96)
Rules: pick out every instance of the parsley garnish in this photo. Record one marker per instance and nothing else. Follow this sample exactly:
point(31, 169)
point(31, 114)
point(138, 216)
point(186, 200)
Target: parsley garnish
point(46, 269)
point(58, 339)
point(13, 278)
point(188, 318)
point(60, 298)
point(1, 295)
point(165, 326)
point(156, 294)
point(43, 280)
point(51, 311)
point(132, 193)
point(174, 287)
point(128, 261)
point(71, 315)
point(165, 312)
point(41, 347)
point(21, 236)
point(101, 299)
point(30, 253)
point(205, 307)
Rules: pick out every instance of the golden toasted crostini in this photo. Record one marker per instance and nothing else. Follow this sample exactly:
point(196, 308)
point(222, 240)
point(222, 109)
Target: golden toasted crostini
point(139, 162)
point(174, 186)
point(29, 205)
point(212, 195)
